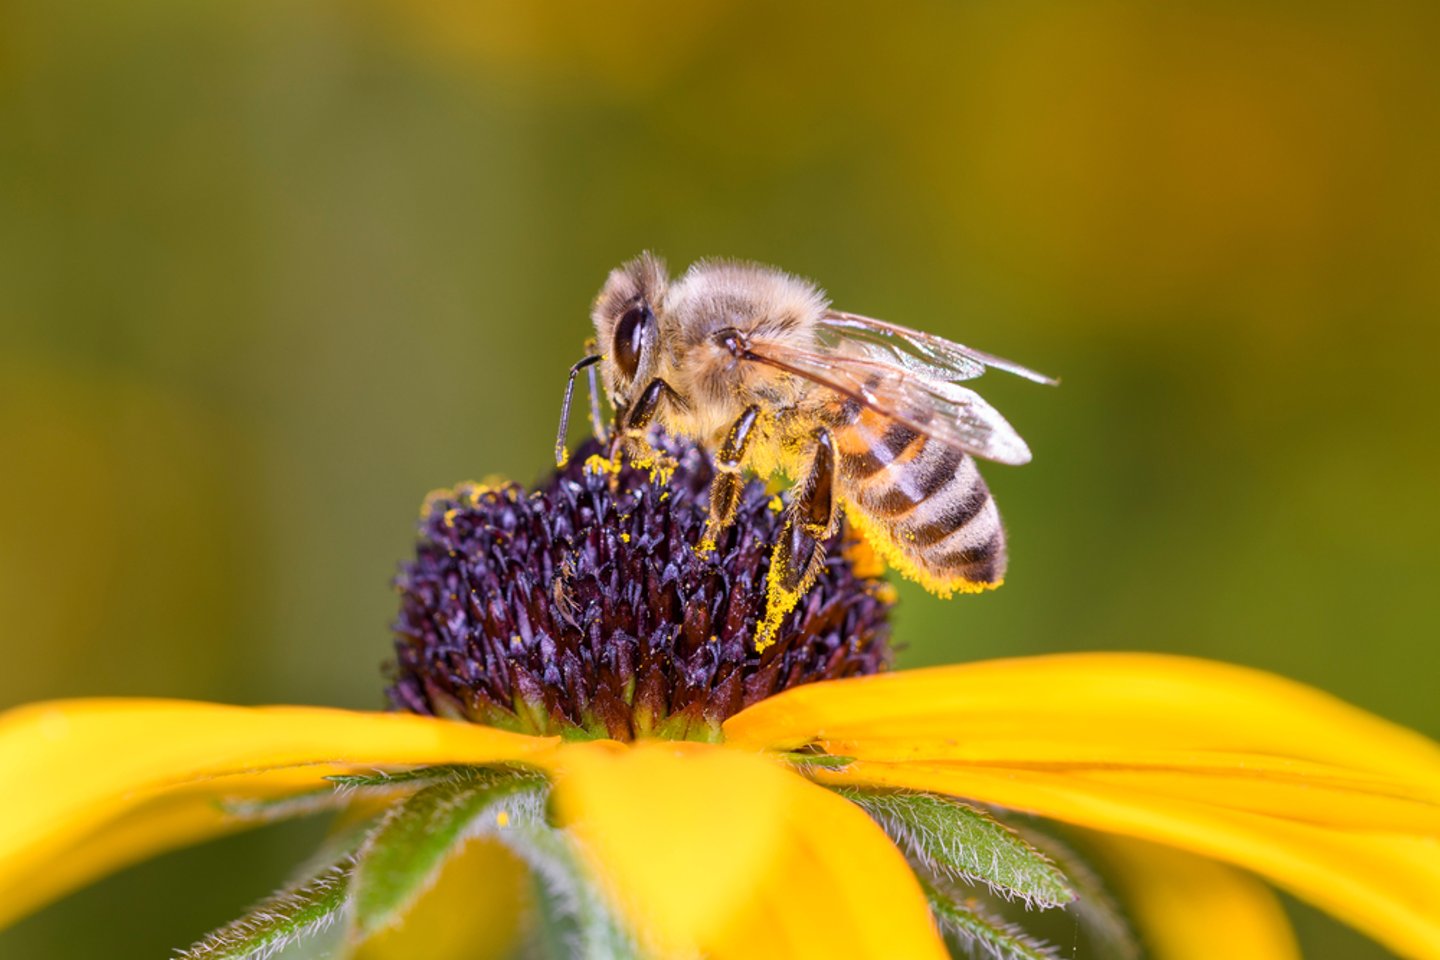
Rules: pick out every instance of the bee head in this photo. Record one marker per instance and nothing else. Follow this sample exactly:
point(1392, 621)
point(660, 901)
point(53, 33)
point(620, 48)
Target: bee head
point(627, 327)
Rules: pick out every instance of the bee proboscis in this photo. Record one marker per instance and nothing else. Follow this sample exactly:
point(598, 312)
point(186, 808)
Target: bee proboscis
point(868, 417)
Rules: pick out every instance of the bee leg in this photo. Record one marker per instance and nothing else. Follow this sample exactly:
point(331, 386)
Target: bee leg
point(597, 416)
point(725, 488)
point(562, 453)
point(639, 416)
point(631, 435)
point(810, 520)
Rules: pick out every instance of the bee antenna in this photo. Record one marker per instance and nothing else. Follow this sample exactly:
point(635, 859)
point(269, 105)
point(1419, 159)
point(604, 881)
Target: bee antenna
point(561, 454)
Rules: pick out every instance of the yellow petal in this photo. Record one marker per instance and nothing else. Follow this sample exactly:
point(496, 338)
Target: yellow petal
point(1347, 804)
point(177, 818)
point(842, 889)
point(714, 851)
point(72, 767)
point(1093, 706)
point(1334, 804)
point(1189, 908)
point(1294, 789)
point(149, 829)
point(651, 816)
point(1328, 801)
point(1386, 884)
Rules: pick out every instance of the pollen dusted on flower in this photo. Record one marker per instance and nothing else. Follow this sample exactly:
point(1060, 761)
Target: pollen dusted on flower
point(583, 607)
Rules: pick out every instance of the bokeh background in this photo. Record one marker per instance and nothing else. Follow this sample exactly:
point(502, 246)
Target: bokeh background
point(271, 271)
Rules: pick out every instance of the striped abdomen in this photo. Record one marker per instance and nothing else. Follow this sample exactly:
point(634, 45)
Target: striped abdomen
point(921, 503)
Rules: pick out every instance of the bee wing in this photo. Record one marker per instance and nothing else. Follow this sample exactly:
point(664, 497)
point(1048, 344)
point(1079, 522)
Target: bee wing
point(869, 375)
point(924, 353)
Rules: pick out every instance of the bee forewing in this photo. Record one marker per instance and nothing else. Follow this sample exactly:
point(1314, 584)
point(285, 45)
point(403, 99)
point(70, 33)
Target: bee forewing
point(979, 429)
point(919, 351)
point(944, 411)
point(1009, 366)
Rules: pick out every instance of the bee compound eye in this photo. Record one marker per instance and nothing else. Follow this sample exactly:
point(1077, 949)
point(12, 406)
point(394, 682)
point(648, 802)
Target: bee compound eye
point(630, 335)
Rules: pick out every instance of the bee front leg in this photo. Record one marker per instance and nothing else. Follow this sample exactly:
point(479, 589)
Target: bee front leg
point(630, 437)
point(810, 520)
point(725, 488)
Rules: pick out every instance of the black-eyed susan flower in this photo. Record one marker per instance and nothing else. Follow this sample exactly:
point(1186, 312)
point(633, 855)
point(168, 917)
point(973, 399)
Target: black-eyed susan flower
point(579, 704)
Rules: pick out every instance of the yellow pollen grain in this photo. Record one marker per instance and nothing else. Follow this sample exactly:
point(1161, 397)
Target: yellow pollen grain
point(597, 465)
point(660, 467)
point(502, 819)
point(776, 504)
point(478, 490)
point(624, 538)
point(778, 602)
point(469, 491)
point(427, 506)
point(450, 516)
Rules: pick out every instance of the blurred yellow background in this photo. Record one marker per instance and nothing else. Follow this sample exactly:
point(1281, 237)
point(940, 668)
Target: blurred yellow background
point(271, 271)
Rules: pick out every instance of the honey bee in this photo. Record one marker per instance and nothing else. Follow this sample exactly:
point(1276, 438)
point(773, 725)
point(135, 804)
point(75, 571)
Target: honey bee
point(866, 416)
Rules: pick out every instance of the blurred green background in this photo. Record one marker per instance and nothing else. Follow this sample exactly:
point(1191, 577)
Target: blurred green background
point(271, 271)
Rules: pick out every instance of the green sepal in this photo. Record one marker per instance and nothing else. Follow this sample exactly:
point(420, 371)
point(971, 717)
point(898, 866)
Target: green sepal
point(1095, 908)
point(954, 840)
point(577, 922)
point(295, 912)
point(979, 930)
point(321, 799)
point(820, 761)
point(405, 852)
point(275, 809)
point(419, 776)
point(553, 934)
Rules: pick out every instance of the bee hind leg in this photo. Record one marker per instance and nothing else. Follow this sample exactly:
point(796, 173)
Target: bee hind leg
point(810, 520)
point(725, 488)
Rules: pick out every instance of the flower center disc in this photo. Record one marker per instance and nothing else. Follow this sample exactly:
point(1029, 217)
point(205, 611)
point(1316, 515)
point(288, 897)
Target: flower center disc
point(583, 608)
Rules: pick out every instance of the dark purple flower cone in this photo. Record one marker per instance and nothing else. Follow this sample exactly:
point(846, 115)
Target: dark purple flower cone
point(582, 608)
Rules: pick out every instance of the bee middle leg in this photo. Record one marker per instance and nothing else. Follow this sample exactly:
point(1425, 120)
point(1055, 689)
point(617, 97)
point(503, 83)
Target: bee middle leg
point(725, 488)
point(810, 520)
